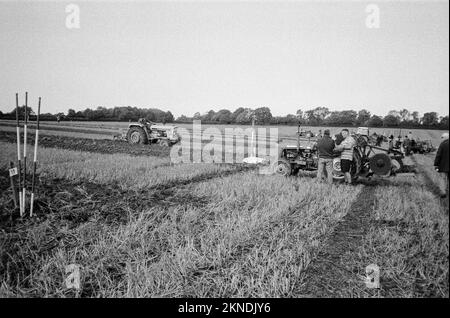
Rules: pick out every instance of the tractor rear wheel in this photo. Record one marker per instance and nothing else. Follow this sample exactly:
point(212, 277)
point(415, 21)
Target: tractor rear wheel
point(381, 164)
point(282, 167)
point(164, 143)
point(136, 135)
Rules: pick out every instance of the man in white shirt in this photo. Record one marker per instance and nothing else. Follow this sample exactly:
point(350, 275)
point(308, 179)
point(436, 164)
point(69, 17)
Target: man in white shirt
point(347, 154)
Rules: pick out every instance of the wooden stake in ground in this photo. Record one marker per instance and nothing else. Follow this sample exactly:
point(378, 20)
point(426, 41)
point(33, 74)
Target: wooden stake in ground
point(12, 173)
point(25, 153)
point(35, 158)
point(19, 163)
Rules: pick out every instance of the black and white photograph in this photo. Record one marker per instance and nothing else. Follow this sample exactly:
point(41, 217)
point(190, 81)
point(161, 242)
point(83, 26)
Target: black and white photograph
point(225, 155)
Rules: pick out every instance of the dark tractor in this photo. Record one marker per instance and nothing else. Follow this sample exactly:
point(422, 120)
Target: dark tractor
point(366, 162)
point(422, 146)
point(144, 132)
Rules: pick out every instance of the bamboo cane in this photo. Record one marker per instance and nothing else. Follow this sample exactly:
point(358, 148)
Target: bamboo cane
point(19, 163)
point(35, 158)
point(25, 153)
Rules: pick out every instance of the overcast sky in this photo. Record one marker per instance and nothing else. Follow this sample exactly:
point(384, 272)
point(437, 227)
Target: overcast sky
point(195, 56)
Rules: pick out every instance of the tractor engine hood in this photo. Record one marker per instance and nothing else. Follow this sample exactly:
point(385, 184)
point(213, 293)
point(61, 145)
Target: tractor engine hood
point(163, 127)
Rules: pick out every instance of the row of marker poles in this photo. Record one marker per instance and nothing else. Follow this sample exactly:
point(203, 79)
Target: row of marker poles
point(22, 192)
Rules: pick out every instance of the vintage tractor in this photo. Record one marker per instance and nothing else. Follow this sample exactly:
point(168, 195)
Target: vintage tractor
point(422, 146)
point(367, 159)
point(144, 132)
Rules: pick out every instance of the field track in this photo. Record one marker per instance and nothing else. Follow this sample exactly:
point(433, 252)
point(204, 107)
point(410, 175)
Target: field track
point(338, 269)
point(331, 273)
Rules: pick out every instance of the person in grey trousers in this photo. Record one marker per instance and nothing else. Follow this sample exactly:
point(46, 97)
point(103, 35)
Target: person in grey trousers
point(325, 147)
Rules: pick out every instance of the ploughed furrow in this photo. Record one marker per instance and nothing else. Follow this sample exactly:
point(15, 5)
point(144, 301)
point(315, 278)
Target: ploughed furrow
point(237, 168)
point(63, 206)
point(90, 145)
point(66, 128)
point(83, 200)
point(331, 273)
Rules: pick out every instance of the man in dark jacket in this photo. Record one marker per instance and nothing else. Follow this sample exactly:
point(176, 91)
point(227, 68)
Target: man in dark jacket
point(441, 161)
point(325, 147)
point(391, 143)
point(379, 140)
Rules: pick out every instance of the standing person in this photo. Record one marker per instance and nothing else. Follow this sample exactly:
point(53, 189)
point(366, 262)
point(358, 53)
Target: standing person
point(410, 135)
point(407, 145)
point(379, 140)
point(325, 147)
point(309, 134)
point(347, 154)
point(319, 135)
point(398, 143)
point(441, 161)
point(391, 143)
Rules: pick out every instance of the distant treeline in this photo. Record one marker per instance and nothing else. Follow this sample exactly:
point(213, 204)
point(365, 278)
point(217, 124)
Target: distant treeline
point(126, 113)
point(322, 116)
point(319, 116)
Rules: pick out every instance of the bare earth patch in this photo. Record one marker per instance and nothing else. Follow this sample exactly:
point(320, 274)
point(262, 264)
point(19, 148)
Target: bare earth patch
point(91, 145)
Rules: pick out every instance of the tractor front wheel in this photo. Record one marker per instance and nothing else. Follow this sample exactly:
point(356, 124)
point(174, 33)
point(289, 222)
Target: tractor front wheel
point(354, 170)
point(337, 173)
point(282, 167)
point(136, 135)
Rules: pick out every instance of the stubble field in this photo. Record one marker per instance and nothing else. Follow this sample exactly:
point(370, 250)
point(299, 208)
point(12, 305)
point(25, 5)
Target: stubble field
point(140, 226)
